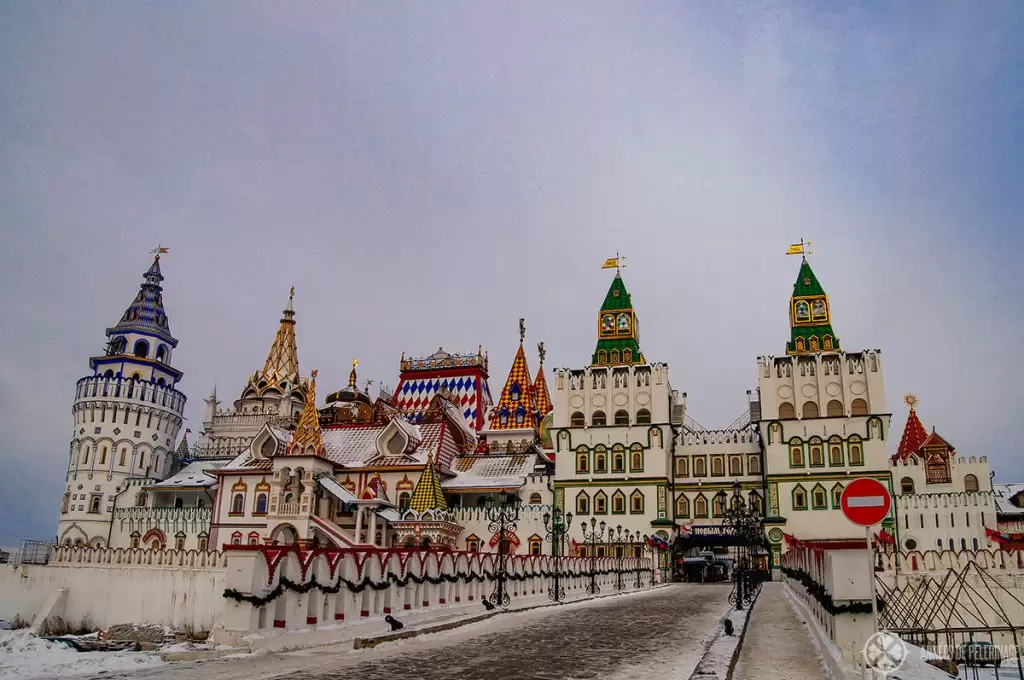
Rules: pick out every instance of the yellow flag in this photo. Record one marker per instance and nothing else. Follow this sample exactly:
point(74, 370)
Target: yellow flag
point(795, 249)
point(610, 263)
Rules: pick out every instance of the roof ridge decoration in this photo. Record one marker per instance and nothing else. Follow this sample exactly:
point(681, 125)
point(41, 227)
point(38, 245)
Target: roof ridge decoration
point(516, 406)
point(308, 439)
point(618, 333)
point(914, 433)
point(540, 385)
point(281, 369)
point(428, 494)
point(146, 312)
point(810, 315)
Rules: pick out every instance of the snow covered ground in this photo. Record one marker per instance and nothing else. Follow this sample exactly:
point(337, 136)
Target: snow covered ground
point(23, 656)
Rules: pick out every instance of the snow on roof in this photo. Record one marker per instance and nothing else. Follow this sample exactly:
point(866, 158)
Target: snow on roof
point(337, 490)
point(491, 471)
point(191, 475)
point(355, 446)
point(1003, 494)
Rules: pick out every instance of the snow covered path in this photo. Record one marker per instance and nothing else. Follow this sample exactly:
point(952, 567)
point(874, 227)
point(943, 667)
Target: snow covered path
point(657, 633)
point(778, 644)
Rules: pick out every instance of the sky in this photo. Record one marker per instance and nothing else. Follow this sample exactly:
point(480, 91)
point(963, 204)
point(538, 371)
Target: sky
point(425, 174)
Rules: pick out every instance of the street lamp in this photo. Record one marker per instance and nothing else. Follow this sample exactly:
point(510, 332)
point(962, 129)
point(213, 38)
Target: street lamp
point(595, 534)
point(557, 527)
point(649, 548)
point(619, 539)
point(746, 526)
point(502, 518)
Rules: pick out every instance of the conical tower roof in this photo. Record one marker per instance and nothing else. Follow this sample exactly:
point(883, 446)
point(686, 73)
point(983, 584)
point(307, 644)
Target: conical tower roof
point(146, 312)
point(281, 369)
point(618, 334)
point(810, 317)
point(428, 494)
point(515, 407)
point(308, 439)
point(540, 387)
point(914, 433)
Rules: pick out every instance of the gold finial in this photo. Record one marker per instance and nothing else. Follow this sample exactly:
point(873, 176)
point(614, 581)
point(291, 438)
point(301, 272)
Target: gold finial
point(352, 375)
point(522, 329)
point(314, 373)
point(910, 399)
point(158, 251)
point(540, 351)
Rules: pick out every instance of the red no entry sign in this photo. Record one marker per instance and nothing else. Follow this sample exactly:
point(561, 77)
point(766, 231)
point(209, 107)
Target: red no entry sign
point(866, 501)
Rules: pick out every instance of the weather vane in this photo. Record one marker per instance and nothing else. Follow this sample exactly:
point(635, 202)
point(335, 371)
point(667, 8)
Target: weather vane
point(522, 329)
point(801, 248)
point(540, 351)
point(159, 250)
point(910, 399)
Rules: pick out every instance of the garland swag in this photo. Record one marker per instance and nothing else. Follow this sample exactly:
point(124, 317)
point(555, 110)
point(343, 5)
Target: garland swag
point(284, 583)
point(824, 598)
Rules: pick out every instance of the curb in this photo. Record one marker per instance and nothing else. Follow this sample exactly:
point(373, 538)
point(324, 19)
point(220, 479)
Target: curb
point(743, 636)
point(370, 642)
point(202, 654)
point(698, 673)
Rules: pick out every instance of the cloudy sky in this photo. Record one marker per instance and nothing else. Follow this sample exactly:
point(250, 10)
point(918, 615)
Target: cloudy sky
point(426, 174)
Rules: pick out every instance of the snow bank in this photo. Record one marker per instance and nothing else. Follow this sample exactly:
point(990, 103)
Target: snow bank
point(24, 656)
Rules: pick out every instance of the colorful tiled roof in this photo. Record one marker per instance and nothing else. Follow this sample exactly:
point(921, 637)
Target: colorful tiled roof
point(146, 312)
point(810, 316)
point(281, 369)
point(307, 440)
point(914, 433)
point(462, 378)
point(540, 388)
point(192, 475)
point(491, 471)
point(428, 495)
point(515, 407)
point(618, 337)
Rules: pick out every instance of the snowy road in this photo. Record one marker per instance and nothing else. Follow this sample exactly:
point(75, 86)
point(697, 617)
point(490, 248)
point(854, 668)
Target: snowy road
point(778, 643)
point(659, 633)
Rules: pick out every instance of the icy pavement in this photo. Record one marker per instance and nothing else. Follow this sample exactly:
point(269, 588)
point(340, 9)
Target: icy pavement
point(657, 633)
point(777, 644)
point(26, 657)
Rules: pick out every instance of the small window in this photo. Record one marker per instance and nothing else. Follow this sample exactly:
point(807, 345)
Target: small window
point(598, 419)
point(600, 503)
point(621, 417)
point(858, 407)
point(835, 455)
point(179, 543)
point(754, 465)
point(535, 499)
point(796, 455)
point(799, 499)
point(535, 543)
point(577, 419)
point(261, 504)
point(718, 505)
point(717, 466)
point(810, 410)
point(582, 460)
point(754, 501)
point(820, 500)
point(856, 457)
point(520, 415)
point(636, 502)
point(837, 496)
point(786, 411)
point(236, 538)
point(204, 544)
point(700, 507)
point(141, 348)
point(636, 461)
point(140, 499)
point(682, 467)
point(135, 541)
point(600, 461)
point(503, 416)
point(582, 503)
point(834, 409)
point(700, 467)
point(515, 392)
point(161, 353)
point(618, 460)
point(682, 507)
point(124, 455)
point(618, 503)
point(643, 417)
point(906, 485)
point(94, 504)
point(970, 483)
point(735, 466)
point(238, 504)
point(817, 458)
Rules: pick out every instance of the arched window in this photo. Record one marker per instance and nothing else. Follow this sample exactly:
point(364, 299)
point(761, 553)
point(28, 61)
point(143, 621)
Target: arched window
point(582, 460)
point(254, 538)
point(735, 466)
point(837, 496)
point(906, 485)
point(615, 356)
point(618, 503)
point(618, 458)
point(682, 507)
point(600, 503)
point(753, 465)
point(124, 457)
point(236, 538)
point(94, 504)
point(810, 410)
point(600, 459)
point(534, 543)
point(179, 542)
point(621, 417)
point(598, 419)
point(970, 483)
point(238, 504)
point(85, 456)
point(834, 409)
point(135, 539)
point(636, 459)
point(717, 466)
point(643, 417)
point(819, 497)
point(718, 505)
point(858, 407)
point(204, 543)
point(64, 504)
point(700, 467)
point(835, 454)
point(179, 502)
point(161, 353)
point(520, 415)
point(582, 503)
point(514, 393)
point(627, 355)
point(472, 543)
point(636, 502)
point(786, 411)
point(140, 499)
point(536, 499)
point(261, 504)
point(856, 455)
point(796, 455)
point(577, 419)
point(141, 348)
point(799, 498)
point(503, 416)
point(103, 456)
point(754, 501)
point(700, 506)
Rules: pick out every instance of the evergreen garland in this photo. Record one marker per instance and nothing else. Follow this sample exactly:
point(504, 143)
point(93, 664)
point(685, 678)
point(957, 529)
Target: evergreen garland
point(359, 586)
point(824, 598)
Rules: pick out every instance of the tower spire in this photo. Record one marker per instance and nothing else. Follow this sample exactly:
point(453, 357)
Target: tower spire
point(618, 334)
point(281, 369)
point(914, 433)
point(308, 439)
point(515, 408)
point(146, 312)
point(428, 494)
point(810, 317)
point(540, 385)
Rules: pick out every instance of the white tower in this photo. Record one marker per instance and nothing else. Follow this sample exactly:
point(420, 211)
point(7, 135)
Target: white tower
point(127, 416)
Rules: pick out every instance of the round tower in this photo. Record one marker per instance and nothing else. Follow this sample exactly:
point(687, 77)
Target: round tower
point(127, 415)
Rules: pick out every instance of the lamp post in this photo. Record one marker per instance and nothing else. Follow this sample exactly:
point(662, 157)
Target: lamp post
point(619, 538)
point(557, 527)
point(649, 547)
point(595, 534)
point(638, 551)
point(747, 528)
point(502, 518)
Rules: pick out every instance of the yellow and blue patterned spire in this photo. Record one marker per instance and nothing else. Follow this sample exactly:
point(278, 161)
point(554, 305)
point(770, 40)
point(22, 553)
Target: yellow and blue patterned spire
point(281, 370)
point(146, 312)
point(428, 494)
point(308, 440)
point(516, 407)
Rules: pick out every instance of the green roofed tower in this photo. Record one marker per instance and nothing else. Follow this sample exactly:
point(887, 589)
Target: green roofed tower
point(618, 335)
point(810, 317)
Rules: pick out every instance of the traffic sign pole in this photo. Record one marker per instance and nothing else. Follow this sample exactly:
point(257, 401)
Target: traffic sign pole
point(866, 502)
point(871, 580)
